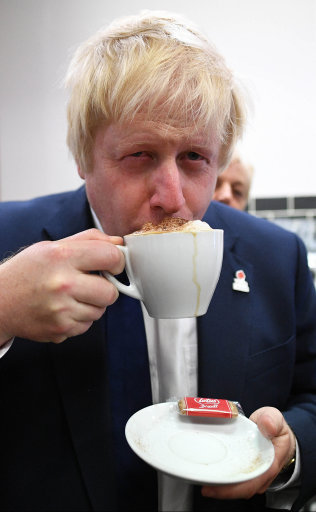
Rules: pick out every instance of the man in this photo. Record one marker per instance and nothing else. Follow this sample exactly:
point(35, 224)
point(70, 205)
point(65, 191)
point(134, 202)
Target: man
point(153, 117)
point(233, 184)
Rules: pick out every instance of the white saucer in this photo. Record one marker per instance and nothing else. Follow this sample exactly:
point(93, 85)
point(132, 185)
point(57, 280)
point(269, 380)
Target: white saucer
point(199, 450)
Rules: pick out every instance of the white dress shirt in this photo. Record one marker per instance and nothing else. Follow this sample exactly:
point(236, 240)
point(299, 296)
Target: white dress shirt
point(172, 352)
point(5, 347)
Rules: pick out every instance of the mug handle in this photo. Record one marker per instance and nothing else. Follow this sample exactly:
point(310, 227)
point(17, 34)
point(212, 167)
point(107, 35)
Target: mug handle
point(130, 289)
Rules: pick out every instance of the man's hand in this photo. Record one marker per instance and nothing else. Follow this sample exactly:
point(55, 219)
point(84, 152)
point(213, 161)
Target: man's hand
point(272, 424)
point(47, 291)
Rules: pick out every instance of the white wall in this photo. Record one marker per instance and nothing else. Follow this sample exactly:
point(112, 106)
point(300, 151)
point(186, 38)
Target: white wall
point(271, 44)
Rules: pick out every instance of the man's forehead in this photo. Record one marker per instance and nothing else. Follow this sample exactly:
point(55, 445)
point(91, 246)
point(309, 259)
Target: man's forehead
point(143, 130)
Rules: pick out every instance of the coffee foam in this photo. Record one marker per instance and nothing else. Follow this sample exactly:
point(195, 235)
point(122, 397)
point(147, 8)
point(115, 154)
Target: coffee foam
point(171, 225)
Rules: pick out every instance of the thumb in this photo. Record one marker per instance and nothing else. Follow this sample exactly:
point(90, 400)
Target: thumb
point(269, 420)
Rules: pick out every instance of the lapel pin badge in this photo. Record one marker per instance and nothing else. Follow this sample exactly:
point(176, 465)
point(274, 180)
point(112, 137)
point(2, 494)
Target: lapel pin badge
point(240, 284)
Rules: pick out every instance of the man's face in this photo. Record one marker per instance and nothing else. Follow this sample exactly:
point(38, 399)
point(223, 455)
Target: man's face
point(232, 187)
point(147, 170)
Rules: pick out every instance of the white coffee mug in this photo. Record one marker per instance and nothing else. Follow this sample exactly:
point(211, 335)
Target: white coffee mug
point(174, 273)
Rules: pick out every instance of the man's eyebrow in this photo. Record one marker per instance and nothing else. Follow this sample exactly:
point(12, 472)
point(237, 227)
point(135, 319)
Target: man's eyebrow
point(238, 182)
point(127, 145)
point(136, 142)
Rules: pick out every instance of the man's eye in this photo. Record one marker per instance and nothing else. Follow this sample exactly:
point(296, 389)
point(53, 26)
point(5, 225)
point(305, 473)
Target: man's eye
point(238, 193)
point(192, 155)
point(138, 154)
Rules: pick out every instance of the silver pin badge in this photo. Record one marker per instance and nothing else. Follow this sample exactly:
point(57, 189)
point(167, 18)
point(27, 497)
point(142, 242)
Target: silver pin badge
point(240, 284)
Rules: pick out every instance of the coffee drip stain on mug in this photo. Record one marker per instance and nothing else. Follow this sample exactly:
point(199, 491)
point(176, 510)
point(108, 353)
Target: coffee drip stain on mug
point(195, 280)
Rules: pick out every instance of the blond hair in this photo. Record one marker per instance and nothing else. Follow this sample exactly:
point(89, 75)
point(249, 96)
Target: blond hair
point(157, 64)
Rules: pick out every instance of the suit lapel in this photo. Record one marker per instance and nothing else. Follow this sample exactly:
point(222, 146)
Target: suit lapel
point(130, 389)
point(224, 332)
point(70, 214)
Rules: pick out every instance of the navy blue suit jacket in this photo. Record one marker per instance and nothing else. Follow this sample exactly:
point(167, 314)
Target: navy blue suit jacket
point(258, 348)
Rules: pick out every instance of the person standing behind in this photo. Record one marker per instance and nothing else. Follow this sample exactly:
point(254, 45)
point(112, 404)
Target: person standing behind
point(234, 183)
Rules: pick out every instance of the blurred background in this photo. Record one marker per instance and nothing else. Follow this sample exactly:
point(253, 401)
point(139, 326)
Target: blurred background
point(271, 46)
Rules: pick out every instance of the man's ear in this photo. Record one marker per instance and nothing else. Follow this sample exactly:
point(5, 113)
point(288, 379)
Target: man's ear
point(81, 172)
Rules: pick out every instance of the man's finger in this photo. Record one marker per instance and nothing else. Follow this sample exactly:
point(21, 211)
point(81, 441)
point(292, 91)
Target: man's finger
point(95, 234)
point(95, 290)
point(88, 255)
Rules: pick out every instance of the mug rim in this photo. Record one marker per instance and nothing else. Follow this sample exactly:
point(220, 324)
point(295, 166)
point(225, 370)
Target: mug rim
point(178, 232)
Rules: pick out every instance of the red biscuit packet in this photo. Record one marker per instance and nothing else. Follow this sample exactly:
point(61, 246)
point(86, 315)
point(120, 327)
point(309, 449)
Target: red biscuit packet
point(209, 407)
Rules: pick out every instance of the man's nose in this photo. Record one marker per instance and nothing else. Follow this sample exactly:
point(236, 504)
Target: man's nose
point(167, 188)
point(224, 193)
